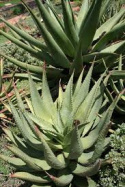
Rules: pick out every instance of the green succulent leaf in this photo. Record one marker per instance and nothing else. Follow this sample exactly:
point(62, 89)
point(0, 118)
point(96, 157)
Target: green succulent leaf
point(25, 36)
point(30, 177)
point(41, 55)
point(91, 138)
point(86, 106)
point(118, 74)
point(84, 171)
point(56, 30)
point(115, 31)
point(86, 34)
point(54, 14)
point(31, 68)
point(83, 90)
point(104, 6)
point(27, 159)
point(84, 158)
point(57, 53)
point(64, 178)
point(82, 13)
point(16, 162)
point(68, 23)
point(47, 99)
point(48, 153)
point(66, 107)
point(109, 24)
point(91, 182)
point(76, 147)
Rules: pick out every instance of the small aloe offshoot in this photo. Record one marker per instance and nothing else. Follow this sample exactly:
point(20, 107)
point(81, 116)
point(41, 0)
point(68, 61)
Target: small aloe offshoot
point(62, 140)
point(4, 89)
point(71, 43)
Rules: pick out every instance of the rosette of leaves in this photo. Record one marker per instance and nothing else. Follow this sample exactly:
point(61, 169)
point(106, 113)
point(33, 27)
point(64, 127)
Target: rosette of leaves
point(62, 140)
point(114, 174)
point(69, 42)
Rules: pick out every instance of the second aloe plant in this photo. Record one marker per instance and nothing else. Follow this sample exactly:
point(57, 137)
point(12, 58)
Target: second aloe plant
point(62, 140)
point(71, 41)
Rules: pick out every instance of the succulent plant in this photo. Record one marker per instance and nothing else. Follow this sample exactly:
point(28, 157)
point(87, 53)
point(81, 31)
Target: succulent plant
point(71, 42)
point(63, 140)
point(114, 174)
point(5, 88)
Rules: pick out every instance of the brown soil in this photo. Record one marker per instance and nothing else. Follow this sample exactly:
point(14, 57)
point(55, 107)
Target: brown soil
point(13, 20)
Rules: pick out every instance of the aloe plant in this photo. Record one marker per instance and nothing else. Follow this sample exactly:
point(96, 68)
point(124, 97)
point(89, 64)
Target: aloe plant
point(4, 89)
point(62, 140)
point(71, 43)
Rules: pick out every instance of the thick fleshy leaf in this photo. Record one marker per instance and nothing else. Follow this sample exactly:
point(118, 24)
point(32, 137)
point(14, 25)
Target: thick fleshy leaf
point(85, 108)
point(54, 14)
point(84, 171)
point(95, 109)
point(30, 177)
point(16, 162)
point(99, 146)
point(104, 6)
point(77, 64)
point(68, 23)
point(82, 13)
point(56, 52)
point(117, 48)
point(19, 99)
point(47, 99)
point(78, 84)
point(55, 30)
point(9, 134)
point(25, 129)
point(44, 125)
point(91, 183)
point(66, 108)
point(48, 153)
point(91, 138)
point(98, 55)
point(118, 74)
point(37, 102)
point(83, 159)
point(83, 90)
point(63, 179)
point(27, 159)
point(76, 148)
point(109, 24)
point(116, 31)
point(86, 34)
point(26, 36)
point(41, 55)
point(32, 68)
